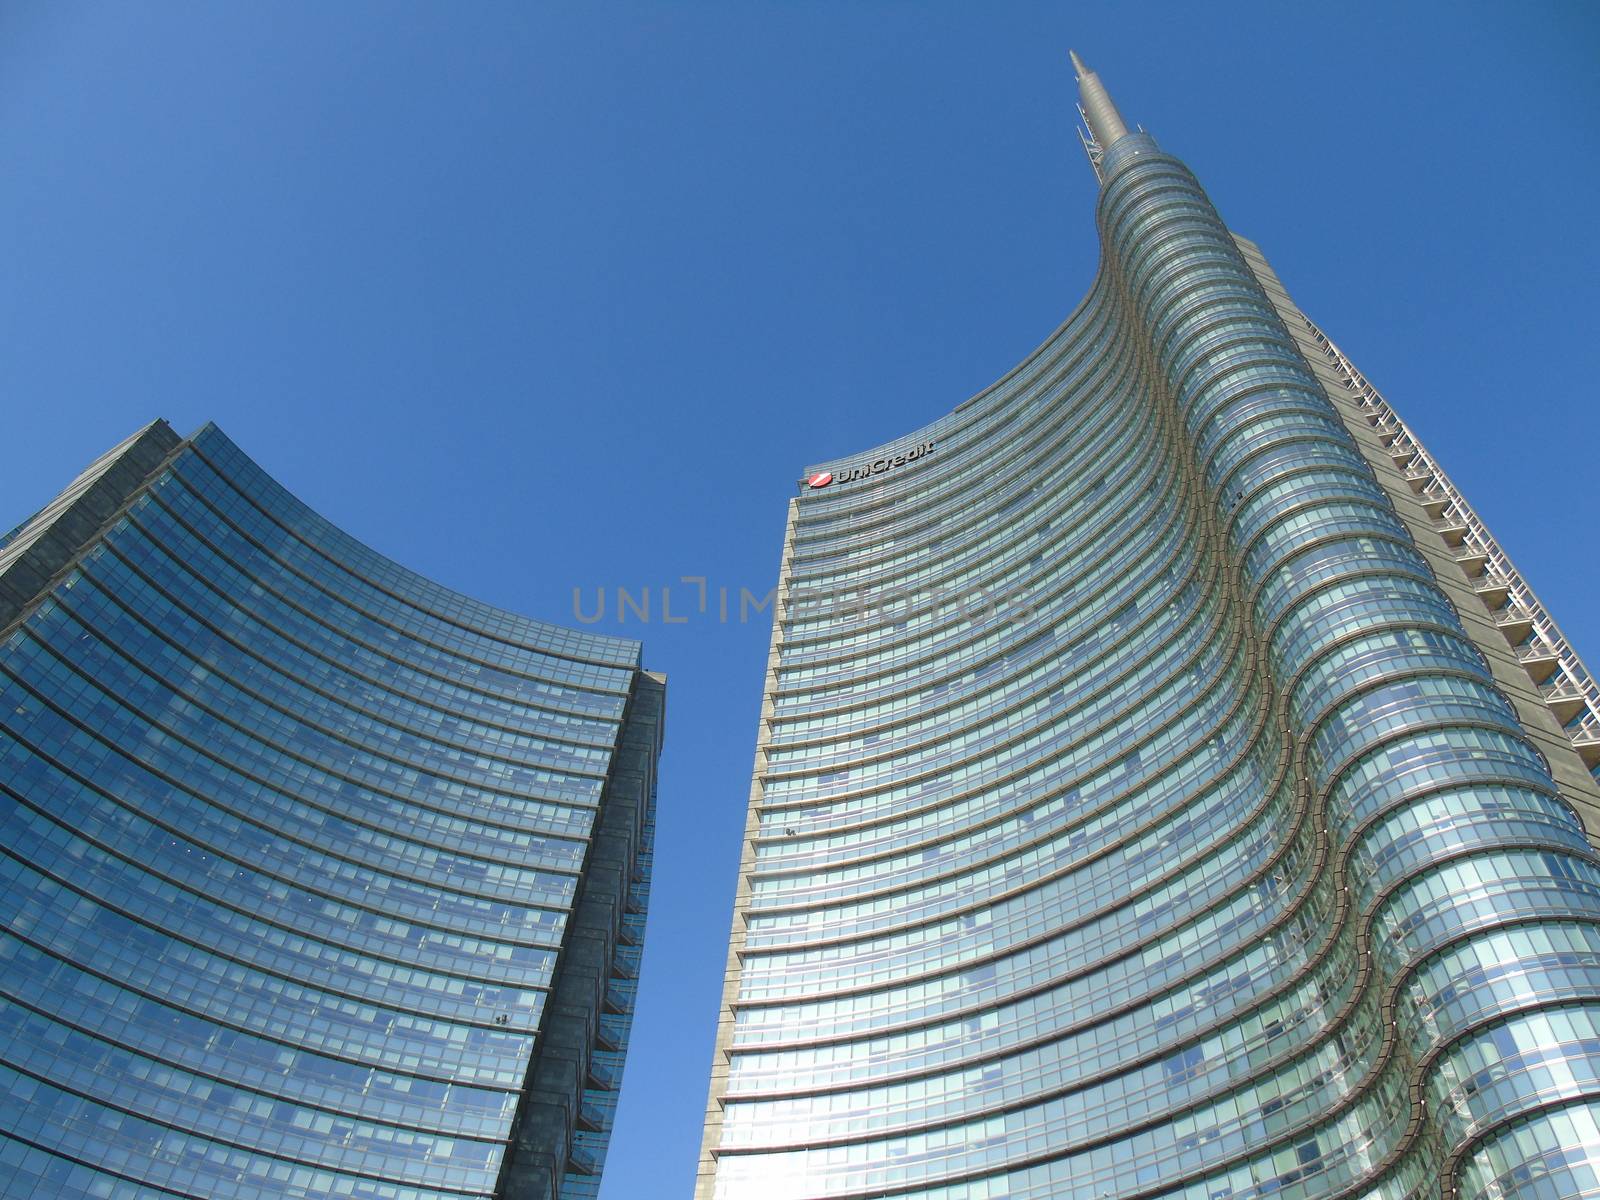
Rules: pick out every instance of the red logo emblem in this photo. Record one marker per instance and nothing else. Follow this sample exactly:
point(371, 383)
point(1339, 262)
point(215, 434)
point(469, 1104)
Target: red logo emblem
point(821, 479)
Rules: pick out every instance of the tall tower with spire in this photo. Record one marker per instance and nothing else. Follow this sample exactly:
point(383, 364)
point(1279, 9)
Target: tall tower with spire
point(1196, 801)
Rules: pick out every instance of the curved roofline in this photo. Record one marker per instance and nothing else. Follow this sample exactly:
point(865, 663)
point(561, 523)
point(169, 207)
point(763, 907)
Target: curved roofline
point(938, 428)
point(546, 637)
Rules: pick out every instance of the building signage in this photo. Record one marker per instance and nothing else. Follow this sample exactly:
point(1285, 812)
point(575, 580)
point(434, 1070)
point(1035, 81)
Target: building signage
point(876, 467)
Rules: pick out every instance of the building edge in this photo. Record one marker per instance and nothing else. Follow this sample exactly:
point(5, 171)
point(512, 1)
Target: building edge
point(706, 1170)
point(1536, 669)
point(563, 1124)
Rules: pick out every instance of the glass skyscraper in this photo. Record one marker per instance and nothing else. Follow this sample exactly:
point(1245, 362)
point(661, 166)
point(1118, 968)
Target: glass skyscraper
point(1166, 786)
point(320, 880)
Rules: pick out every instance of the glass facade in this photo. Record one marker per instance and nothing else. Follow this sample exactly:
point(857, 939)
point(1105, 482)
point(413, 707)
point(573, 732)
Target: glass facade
point(321, 880)
point(1136, 813)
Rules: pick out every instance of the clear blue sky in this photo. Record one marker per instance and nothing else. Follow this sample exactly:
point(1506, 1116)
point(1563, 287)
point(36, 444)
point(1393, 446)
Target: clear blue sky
point(536, 297)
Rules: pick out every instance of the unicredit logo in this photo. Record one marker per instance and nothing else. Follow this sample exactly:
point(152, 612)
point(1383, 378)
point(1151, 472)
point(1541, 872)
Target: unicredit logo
point(879, 465)
point(868, 469)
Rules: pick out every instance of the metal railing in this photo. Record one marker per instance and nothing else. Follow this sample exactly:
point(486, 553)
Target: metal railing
point(1571, 678)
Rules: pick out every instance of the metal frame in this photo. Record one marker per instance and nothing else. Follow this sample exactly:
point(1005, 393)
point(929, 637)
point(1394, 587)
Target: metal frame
point(1092, 148)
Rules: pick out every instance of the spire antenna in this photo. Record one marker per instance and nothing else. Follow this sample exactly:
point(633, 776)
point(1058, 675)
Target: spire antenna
point(1103, 122)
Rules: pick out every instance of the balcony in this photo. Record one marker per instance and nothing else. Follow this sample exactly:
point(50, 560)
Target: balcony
point(1494, 589)
point(1435, 501)
point(1586, 741)
point(1473, 559)
point(1515, 622)
point(1566, 700)
point(1451, 528)
point(1539, 659)
point(1419, 477)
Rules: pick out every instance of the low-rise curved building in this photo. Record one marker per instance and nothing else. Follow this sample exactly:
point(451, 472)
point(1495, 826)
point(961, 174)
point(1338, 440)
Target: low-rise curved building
point(1165, 786)
point(320, 879)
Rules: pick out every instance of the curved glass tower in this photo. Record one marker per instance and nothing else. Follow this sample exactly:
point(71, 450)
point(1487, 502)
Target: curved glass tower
point(1150, 799)
point(320, 880)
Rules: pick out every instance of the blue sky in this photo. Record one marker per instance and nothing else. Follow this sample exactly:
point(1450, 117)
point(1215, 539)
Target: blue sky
point(536, 297)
